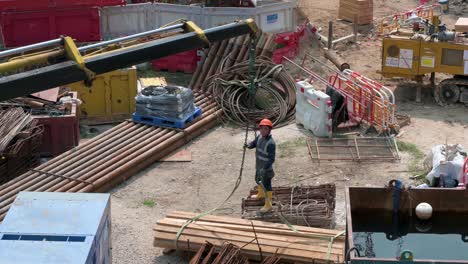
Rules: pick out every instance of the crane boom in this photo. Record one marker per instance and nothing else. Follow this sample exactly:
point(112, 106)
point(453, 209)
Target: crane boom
point(42, 70)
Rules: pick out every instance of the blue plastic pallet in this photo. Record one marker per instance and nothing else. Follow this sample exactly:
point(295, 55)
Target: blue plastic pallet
point(167, 122)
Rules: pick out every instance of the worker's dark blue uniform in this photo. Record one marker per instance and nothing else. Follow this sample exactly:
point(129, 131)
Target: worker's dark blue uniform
point(265, 157)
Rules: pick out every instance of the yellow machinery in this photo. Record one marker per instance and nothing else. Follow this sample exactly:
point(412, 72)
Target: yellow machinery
point(429, 49)
point(59, 62)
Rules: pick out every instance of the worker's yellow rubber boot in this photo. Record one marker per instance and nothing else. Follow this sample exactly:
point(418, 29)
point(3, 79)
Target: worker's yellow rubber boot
point(260, 193)
point(267, 207)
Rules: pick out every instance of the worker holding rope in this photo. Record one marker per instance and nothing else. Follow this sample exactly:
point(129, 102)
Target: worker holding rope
point(265, 157)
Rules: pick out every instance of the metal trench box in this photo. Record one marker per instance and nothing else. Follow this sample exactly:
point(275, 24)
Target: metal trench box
point(376, 234)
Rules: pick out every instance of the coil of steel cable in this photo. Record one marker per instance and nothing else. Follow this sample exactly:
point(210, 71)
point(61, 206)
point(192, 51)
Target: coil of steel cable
point(275, 97)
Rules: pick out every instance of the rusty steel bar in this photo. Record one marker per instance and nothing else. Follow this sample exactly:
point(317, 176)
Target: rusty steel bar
point(195, 129)
point(20, 181)
point(85, 146)
point(37, 185)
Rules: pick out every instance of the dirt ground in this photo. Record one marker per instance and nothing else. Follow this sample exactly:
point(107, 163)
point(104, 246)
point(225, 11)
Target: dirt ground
point(203, 184)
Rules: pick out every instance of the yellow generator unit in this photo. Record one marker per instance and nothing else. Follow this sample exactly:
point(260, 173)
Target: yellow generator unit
point(415, 56)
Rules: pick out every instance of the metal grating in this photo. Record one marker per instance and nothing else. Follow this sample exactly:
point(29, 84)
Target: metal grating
point(353, 149)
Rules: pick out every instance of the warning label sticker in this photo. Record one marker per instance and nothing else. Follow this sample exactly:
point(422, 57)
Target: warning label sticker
point(391, 62)
point(428, 61)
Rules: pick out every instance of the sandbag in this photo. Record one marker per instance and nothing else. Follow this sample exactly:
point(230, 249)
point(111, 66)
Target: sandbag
point(446, 161)
point(174, 102)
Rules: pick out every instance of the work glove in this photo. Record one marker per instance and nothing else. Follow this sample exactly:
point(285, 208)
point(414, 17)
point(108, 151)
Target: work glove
point(246, 145)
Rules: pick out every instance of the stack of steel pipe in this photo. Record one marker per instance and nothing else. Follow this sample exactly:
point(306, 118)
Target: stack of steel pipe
point(227, 53)
point(300, 205)
point(227, 61)
point(108, 159)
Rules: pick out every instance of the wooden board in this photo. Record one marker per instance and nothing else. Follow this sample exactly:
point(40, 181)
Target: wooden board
point(462, 24)
point(237, 221)
point(155, 81)
point(50, 95)
point(309, 245)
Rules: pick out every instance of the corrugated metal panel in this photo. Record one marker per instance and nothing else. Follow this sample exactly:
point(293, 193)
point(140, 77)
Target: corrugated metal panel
point(125, 20)
point(23, 28)
point(167, 13)
point(274, 17)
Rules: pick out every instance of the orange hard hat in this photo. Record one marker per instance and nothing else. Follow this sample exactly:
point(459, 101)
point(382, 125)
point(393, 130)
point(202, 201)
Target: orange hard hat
point(266, 122)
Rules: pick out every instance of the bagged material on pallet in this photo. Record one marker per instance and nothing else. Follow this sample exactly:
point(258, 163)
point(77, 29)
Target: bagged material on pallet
point(446, 164)
point(174, 102)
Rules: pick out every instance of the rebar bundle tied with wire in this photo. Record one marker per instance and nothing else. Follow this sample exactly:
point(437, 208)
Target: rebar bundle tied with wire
point(300, 205)
point(275, 96)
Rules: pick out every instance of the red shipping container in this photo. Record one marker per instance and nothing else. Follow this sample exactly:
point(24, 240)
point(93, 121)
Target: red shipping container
point(23, 28)
point(184, 62)
point(61, 133)
point(24, 5)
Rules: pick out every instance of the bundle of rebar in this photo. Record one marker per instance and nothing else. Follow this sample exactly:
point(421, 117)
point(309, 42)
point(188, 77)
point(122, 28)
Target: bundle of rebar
point(224, 74)
point(256, 240)
point(12, 121)
point(300, 205)
point(23, 153)
point(228, 254)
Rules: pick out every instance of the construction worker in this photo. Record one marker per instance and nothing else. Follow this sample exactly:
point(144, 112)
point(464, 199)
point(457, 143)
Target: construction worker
point(265, 157)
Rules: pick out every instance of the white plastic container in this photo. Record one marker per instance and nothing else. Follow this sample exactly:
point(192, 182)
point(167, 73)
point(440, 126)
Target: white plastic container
point(313, 109)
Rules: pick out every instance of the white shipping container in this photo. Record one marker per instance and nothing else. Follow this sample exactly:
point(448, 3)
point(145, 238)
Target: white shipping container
point(272, 16)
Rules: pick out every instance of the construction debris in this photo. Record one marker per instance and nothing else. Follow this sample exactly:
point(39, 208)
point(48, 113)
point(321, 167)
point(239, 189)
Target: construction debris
point(311, 245)
point(20, 143)
point(12, 122)
point(359, 149)
point(229, 254)
point(300, 205)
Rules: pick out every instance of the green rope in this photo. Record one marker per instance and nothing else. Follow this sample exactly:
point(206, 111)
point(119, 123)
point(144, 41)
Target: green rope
point(332, 239)
point(252, 91)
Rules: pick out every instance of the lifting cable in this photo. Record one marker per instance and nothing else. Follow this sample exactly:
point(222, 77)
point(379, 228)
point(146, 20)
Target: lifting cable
point(251, 102)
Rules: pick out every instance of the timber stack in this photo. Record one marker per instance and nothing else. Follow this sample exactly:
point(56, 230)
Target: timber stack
point(363, 10)
point(291, 244)
point(300, 205)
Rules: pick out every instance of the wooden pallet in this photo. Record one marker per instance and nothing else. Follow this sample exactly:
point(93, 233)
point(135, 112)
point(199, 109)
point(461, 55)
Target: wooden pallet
point(307, 245)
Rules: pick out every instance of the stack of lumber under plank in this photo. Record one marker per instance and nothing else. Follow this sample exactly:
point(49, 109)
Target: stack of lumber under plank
point(309, 245)
point(229, 254)
point(300, 205)
point(363, 9)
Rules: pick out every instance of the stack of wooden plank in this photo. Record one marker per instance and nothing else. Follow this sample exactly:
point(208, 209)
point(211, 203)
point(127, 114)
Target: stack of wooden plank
point(300, 205)
point(310, 245)
point(462, 24)
point(363, 10)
